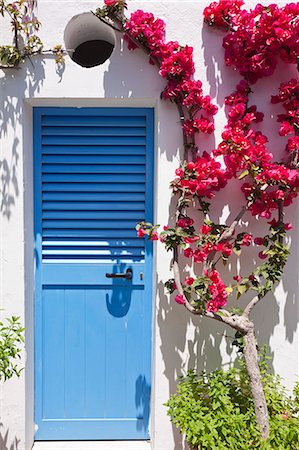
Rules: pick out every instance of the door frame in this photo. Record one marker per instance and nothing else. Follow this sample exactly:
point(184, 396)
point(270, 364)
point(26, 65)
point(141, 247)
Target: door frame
point(35, 277)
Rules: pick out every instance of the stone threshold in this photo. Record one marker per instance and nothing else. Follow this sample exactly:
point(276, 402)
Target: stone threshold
point(92, 445)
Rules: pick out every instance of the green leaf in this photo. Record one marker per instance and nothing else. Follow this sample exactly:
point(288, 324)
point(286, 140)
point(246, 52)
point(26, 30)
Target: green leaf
point(237, 250)
point(243, 174)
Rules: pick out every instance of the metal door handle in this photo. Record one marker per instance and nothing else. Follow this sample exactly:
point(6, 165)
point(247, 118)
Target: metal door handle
point(127, 275)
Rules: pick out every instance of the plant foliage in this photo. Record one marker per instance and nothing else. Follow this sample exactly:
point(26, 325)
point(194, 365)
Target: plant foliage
point(11, 339)
point(216, 411)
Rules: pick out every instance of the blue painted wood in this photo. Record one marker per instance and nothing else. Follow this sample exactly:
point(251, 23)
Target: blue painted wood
point(94, 159)
point(93, 181)
point(94, 187)
point(102, 178)
point(93, 196)
point(96, 120)
point(94, 206)
point(98, 150)
point(89, 233)
point(93, 131)
point(94, 140)
point(86, 169)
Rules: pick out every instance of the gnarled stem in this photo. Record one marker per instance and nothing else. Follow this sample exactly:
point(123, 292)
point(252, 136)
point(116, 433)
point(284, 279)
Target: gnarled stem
point(256, 385)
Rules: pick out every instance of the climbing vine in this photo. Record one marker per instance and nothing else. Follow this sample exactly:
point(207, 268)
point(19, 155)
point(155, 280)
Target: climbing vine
point(25, 39)
point(254, 42)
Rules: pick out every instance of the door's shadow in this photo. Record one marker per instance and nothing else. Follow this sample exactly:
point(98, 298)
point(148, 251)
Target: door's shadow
point(118, 301)
point(142, 402)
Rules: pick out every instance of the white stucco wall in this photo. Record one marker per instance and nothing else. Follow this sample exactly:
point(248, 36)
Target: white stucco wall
point(127, 80)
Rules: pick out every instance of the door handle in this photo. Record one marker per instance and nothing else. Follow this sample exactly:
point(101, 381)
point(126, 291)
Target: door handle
point(127, 275)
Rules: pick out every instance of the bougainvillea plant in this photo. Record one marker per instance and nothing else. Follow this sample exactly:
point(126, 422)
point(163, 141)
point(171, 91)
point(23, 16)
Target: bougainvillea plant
point(254, 41)
point(25, 27)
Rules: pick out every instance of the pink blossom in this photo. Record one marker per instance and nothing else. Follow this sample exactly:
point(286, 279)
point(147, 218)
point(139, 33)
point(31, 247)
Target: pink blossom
point(285, 128)
point(288, 226)
point(179, 172)
point(178, 65)
point(154, 236)
point(259, 241)
point(188, 252)
point(141, 233)
point(185, 222)
point(263, 255)
point(199, 256)
point(189, 281)
point(247, 238)
point(205, 229)
point(180, 299)
point(237, 278)
point(110, 2)
point(225, 248)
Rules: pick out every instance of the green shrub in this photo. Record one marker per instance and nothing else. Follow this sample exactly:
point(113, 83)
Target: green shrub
point(215, 411)
point(11, 338)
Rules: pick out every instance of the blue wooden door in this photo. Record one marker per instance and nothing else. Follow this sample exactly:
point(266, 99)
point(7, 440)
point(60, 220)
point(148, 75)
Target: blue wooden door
point(93, 182)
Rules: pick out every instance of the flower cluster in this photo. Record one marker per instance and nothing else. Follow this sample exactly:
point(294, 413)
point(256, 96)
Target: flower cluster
point(242, 147)
point(219, 14)
point(245, 152)
point(176, 65)
point(201, 177)
point(256, 38)
point(289, 97)
point(210, 285)
point(218, 292)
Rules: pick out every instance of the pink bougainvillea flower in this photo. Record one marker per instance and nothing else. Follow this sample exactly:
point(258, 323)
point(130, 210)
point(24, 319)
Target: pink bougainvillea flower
point(179, 65)
point(188, 252)
point(212, 306)
point(191, 239)
point(285, 129)
point(180, 299)
point(141, 233)
point(179, 172)
point(247, 238)
point(288, 226)
point(263, 255)
point(185, 222)
point(189, 281)
point(111, 2)
point(199, 256)
point(205, 229)
point(259, 240)
point(237, 278)
point(225, 248)
point(154, 236)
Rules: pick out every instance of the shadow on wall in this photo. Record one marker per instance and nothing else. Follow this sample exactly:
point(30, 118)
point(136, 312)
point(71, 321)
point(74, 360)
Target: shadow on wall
point(121, 82)
point(291, 285)
point(6, 443)
point(15, 85)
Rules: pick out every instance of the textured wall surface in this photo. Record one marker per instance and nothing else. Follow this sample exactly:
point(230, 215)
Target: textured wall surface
point(179, 341)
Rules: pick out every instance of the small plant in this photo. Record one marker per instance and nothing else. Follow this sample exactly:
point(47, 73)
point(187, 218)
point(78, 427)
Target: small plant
point(11, 339)
point(216, 410)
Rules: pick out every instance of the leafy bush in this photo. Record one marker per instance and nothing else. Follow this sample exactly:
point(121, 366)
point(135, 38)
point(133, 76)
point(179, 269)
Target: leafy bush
point(215, 411)
point(11, 338)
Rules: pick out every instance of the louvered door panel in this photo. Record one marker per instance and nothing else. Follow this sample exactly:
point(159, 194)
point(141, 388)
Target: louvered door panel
point(93, 183)
point(111, 176)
